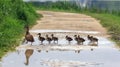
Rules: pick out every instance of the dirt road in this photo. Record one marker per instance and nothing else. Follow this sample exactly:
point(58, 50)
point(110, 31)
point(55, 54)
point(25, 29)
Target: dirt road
point(68, 21)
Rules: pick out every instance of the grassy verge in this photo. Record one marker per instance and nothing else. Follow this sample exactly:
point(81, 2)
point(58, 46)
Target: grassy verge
point(14, 15)
point(110, 22)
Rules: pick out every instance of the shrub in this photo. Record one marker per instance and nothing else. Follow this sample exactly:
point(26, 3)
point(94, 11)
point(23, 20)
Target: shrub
point(14, 14)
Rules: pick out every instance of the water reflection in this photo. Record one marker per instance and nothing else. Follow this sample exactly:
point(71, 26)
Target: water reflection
point(39, 51)
point(28, 53)
point(47, 51)
point(18, 51)
point(77, 51)
point(91, 49)
point(93, 44)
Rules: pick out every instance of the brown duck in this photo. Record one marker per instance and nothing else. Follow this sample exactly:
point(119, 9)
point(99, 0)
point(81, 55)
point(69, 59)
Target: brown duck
point(28, 36)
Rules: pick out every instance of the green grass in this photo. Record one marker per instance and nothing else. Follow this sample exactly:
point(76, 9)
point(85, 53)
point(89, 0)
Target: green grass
point(14, 15)
point(110, 22)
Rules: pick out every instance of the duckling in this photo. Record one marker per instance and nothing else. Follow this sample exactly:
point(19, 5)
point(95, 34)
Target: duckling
point(54, 38)
point(92, 39)
point(39, 51)
point(48, 39)
point(76, 38)
point(89, 37)
point(28, 36)
point(81, 40)
point(41, 38)
point(69, 39)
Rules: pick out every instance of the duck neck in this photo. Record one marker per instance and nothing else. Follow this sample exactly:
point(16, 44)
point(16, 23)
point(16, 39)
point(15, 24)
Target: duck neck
point(27, 32)
point(39, 35)
point(52, 36)
point(27, 60)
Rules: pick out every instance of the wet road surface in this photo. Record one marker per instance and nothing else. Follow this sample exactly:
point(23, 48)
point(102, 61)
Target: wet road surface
point(105, 54)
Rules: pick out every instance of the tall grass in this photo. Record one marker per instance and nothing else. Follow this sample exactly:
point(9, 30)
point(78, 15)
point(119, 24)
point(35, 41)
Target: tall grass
point(14, 15)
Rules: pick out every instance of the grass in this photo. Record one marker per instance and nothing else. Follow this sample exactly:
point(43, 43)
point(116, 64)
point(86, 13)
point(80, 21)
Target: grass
point(111, 23)
point(14, 15)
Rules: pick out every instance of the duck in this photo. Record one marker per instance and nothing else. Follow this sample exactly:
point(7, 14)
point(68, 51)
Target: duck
point(48, 39)
point(76, 38)
point(89, 37)
point(81, 40)
point(28, 36)
point(69, 39)
point(41, 38)
point(92, 39)
point(54, 38)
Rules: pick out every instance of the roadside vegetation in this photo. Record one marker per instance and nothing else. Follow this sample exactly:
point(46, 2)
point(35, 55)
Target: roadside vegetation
point(14, 15)
point(111, 23)
point(109, 18)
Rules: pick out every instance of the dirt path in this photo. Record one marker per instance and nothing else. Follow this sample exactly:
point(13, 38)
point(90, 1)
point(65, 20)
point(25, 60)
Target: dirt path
point(61, 24)
point(68, 21)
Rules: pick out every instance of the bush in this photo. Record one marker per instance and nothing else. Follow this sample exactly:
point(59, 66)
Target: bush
point(14, 15)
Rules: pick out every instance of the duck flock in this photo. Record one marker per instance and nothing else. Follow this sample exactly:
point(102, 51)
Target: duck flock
point(49, 39)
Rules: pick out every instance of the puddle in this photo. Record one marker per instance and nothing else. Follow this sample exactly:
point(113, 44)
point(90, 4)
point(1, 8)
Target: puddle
point(86, 58)
point(63, 54)
point(64, 31)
